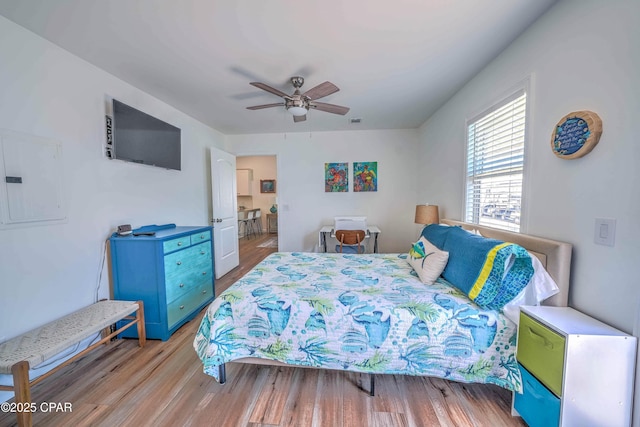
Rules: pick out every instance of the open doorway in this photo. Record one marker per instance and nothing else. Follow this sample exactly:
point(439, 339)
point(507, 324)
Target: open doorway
point(257, 193)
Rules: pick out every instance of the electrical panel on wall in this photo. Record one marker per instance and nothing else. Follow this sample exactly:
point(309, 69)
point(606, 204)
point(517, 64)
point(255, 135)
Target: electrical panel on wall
point(31, 187)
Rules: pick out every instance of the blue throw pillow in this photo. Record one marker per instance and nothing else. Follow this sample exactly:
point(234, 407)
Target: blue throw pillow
point(436, 234)
point(490, 272)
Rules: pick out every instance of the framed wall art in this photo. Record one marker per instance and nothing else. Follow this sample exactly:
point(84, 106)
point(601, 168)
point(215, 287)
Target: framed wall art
point(267, 185)
point(576, 134)
point(336, 177)
point(365, 176)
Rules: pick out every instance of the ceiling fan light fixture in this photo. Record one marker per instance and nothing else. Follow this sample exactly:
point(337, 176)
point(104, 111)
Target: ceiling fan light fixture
point(298, 104)
point(297, 111)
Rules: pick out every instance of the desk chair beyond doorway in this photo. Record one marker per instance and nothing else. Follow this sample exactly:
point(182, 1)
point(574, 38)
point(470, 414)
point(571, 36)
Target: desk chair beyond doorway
point(350, 241)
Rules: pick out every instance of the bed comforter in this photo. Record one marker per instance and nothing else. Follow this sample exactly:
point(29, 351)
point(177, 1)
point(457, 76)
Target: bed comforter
point(366, 313)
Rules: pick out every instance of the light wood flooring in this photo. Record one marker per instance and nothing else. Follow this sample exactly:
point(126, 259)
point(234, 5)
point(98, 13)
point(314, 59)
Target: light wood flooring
point(162, 384)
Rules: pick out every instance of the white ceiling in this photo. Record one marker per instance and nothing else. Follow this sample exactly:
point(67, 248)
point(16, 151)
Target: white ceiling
point(395, 62)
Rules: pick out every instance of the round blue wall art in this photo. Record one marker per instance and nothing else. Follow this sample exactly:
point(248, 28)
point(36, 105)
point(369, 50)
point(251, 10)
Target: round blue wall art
point(576, 134)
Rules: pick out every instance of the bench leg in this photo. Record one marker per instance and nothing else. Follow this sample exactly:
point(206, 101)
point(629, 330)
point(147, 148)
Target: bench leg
point(22, 392)
point(142, 335)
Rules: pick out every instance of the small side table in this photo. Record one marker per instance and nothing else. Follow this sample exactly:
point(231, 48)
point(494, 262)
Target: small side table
point(576, 370)
point(272, 222)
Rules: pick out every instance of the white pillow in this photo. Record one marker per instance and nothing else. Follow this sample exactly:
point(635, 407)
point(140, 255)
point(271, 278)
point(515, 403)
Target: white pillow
point(427, 260)
point(540, 287)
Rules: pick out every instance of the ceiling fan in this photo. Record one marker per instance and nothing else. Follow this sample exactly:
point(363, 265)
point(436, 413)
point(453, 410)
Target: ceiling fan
point(299, 104)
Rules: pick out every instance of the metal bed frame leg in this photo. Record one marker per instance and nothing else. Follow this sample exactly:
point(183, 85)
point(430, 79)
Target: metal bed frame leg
point(372, 388)
point(222, 374)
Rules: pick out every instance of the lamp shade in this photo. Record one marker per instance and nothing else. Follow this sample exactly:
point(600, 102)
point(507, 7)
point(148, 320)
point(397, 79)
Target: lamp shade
point(427, 214)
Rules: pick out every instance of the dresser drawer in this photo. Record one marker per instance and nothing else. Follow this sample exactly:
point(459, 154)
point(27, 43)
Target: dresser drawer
point(536, 405)
point(175, 244)
point(202, 271)
point(200, 237)
point(541, 351)
point(184, 305)
point(187, 269)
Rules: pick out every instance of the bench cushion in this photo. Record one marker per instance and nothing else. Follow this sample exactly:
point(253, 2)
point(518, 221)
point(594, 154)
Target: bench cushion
point(44, 342)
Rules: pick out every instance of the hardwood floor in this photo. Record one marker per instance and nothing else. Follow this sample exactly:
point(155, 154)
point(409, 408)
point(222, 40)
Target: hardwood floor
point(162, 384)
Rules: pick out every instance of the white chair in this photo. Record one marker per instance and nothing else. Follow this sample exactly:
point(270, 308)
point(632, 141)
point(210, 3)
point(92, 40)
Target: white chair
point(242, 220)
point(248, 228)
point(257, 221)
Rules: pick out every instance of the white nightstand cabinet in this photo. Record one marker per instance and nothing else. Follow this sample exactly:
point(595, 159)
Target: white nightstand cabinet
point(577, 371)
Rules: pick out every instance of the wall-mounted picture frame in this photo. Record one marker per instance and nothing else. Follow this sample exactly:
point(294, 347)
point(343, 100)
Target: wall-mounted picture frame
point(576, 134)
point(336, 177)
point(365, 176)
point(267, 185)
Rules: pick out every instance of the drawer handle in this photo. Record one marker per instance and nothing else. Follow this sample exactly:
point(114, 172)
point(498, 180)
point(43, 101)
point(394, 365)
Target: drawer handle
point(182, 307)
point(179, 243)
point(204, 273)
point(182, 285)
point(202, 236)
point(204, 292)
point(179, 262)
point(202, 252)
point(540, 339)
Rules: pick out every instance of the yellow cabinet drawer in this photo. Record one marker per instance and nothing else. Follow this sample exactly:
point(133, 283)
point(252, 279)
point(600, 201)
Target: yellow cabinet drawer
point(541, 351)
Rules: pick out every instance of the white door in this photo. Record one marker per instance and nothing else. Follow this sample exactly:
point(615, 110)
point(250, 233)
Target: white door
point(225, 211)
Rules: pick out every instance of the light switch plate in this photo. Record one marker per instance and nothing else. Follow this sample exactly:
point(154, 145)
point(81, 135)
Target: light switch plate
point(605, 232)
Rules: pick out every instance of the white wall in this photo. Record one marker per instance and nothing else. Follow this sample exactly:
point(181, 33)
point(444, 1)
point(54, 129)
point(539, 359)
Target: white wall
point(303, 205)
point(581, 55)
point(49, 271)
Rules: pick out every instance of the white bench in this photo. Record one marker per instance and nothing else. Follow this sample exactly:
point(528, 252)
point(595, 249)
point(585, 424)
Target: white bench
point(34, 347)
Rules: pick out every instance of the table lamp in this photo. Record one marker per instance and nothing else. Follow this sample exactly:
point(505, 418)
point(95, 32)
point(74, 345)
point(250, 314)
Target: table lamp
point(427, 214)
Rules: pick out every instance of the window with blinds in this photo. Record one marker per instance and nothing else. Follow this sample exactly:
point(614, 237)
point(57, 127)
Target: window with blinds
point(495, 165)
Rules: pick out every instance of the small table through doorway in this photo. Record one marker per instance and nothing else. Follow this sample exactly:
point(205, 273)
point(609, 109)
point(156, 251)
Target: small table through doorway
point(272, 222)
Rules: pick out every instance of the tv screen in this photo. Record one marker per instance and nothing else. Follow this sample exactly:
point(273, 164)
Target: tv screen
point(141, 138)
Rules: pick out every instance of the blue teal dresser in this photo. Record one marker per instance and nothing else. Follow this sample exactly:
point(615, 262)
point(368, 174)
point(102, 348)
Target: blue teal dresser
point(171, 271)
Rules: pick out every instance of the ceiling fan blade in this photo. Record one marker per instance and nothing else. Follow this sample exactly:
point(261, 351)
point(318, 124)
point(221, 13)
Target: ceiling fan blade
point(320, 91)
point(260, 107)
point(269, 89)
point(297, 119)
point(329, 108)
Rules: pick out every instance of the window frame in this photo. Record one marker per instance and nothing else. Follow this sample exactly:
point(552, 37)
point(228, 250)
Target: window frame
point(523, 87)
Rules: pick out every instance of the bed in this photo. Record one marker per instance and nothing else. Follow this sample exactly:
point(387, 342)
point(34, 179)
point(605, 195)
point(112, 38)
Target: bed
point(369, 313)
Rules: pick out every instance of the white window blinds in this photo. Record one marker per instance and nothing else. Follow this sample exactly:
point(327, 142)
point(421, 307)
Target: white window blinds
point(495, 164)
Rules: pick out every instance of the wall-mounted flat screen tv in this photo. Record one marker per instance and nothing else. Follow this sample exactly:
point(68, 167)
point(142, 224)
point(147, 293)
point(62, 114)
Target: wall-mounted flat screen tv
point(141, 138)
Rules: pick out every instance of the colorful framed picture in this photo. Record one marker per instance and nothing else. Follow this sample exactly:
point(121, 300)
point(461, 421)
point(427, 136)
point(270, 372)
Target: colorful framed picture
point(365, 176)
point(336, 177)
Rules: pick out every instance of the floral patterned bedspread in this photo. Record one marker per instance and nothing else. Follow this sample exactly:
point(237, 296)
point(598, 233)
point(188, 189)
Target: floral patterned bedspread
point(367, 313)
